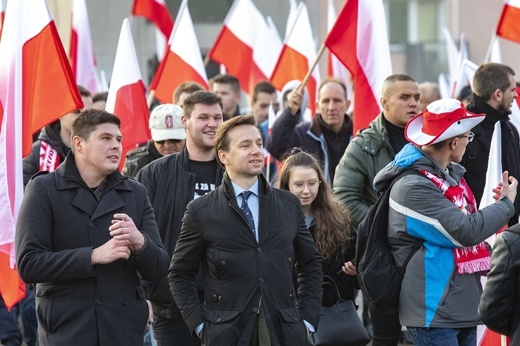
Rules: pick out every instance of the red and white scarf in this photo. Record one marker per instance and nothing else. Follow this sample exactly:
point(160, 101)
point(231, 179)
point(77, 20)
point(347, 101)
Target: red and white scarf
point(470, 259)
point(49, 157)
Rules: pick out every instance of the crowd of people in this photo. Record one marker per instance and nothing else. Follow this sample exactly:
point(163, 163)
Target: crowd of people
point(191, 241)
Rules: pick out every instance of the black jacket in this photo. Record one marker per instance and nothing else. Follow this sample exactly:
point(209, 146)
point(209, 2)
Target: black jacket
point(50, 134)
point(237, 270)
point(139, 157)
point(60, 222)
point(499, 306)
point(475, 160)
point(314, 137)
point(170, 187)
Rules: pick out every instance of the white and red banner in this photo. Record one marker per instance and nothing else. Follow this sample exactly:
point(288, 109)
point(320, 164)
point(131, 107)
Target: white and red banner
point(297, 56)
point(334, 67)
point(183, 61)
point(81, 52)
point(156, 11)
point(360, 41)
point(236, 42)
point(509, 24)
point(126, 96)
point(36, 88)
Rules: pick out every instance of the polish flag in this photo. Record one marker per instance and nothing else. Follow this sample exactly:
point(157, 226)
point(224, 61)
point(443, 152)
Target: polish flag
point(236, 42)
point(297, 56)
point(81, 53)
point(156, 11)
point(266, 50)
point(126, 96)
point(334, 67)
point(36, 88)
point(486, 337)
point(509, 23)
point(183, 61)
point(360, 41)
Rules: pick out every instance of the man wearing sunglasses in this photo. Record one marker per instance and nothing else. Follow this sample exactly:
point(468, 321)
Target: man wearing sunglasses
point(168, 137)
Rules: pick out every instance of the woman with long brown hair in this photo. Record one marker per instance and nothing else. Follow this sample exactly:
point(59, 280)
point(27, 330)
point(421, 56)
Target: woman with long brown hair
point(327, 219)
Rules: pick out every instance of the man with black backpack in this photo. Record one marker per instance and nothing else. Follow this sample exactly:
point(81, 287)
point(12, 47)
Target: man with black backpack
point(441, 289)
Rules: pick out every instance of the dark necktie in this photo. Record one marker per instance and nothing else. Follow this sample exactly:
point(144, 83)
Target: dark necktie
point(246, 211)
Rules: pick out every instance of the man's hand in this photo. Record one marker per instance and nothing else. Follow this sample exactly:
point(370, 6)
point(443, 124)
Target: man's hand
point(294, 100)
point(150, 315)
point(123, 228)
point(505, 188)
point(109, 252)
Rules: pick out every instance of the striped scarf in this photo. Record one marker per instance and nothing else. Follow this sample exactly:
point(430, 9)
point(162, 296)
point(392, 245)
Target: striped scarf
point(49, 157)
point(469, 259)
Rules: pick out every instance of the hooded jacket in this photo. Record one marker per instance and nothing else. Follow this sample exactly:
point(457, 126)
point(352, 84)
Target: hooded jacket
point(433, 294)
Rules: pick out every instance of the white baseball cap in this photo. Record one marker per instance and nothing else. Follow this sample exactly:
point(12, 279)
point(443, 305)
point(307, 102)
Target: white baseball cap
point(165, 123)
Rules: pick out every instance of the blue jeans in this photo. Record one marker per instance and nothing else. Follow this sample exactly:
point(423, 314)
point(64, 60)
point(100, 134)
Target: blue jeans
point(444, 336)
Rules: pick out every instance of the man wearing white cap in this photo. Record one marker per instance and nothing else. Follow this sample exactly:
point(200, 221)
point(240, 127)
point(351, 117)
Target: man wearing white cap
point(441, 288)
point(168, 137)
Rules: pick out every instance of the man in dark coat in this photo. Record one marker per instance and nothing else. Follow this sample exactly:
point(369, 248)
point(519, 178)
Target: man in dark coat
point(326, 136)
point(172, 182)
point(494, 92)
point(85, 236)
point(249, 240)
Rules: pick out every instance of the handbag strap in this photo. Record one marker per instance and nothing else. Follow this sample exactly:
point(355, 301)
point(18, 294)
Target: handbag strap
point(333, 284)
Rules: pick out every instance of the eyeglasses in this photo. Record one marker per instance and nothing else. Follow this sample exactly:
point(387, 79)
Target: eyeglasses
point(173, 141)
point(299, 186)
point(470, 137)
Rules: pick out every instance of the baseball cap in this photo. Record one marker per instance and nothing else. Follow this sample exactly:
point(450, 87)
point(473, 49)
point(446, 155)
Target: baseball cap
point(165, 123)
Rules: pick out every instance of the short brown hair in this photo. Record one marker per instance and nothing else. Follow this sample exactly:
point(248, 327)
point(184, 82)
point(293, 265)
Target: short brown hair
point(226, 79)
point(263, 87)
point(88, 120)
point(221, 136)
point(490, 77)
point(84, 92)
point(200, 97)
point(188, 88)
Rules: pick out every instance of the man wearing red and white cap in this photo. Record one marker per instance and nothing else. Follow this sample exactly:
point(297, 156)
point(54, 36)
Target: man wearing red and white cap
point(168, 137)
point(441, 289)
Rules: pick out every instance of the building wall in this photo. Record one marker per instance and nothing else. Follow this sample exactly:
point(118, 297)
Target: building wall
point(476, 18)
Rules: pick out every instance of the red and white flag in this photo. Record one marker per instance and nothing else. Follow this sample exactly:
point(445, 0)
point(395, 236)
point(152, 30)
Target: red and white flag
point(183, 62)
point(36, 88)
point(236, 42)
point(509, 24)
point(297, 56)
point(266, 50)
point(156, 11)
point(360, 41)
point(81, 53)
point(126, 96)
point(486, 337)
point(334, 67)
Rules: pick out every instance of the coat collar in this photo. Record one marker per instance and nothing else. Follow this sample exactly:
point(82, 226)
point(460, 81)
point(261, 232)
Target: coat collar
point(68, 177)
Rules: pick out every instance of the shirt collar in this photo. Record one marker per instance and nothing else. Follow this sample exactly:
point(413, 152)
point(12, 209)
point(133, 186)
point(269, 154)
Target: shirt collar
point(238, 190)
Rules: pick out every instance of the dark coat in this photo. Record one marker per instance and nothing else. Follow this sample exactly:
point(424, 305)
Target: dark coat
point(50, 134)
point(171, 186)
point(499, 306)
point(139, 157)
point(332, 267)
point(475, 159)
point(314, 137)
point(59, 224)
point(237, 270)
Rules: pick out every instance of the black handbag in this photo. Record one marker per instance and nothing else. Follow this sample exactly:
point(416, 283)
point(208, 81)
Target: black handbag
point(339, 324)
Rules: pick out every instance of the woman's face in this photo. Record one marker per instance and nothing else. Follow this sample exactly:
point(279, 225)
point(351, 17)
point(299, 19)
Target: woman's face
point(304, 184)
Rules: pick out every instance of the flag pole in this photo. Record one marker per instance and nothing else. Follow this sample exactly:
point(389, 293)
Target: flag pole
point(150, 98)
point(308, 75)
point(490, 48)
